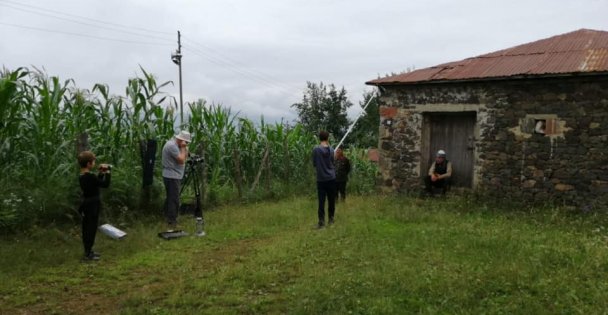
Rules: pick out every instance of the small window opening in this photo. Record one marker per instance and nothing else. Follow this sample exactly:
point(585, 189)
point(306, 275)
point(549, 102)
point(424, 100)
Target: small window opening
point(539, 126)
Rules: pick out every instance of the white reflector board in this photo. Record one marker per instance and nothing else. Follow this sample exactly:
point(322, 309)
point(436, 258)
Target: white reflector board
point(112, 231)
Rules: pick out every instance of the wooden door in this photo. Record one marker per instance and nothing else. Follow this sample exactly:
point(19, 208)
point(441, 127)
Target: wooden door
point(453, 133)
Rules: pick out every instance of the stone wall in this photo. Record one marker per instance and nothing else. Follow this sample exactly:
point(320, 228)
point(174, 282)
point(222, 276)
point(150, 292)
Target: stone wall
point(567, 163)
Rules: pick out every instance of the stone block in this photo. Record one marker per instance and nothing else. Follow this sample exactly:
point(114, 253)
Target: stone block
point(530, 183)
point(599, 183)
point(538, 173)
point(563, 187)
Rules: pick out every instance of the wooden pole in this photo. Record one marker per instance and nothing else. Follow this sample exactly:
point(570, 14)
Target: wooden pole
point(257, 178)
point(238, 176)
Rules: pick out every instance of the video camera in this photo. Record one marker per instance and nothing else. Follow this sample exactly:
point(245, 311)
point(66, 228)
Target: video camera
point(105, 167)
point(194, 159)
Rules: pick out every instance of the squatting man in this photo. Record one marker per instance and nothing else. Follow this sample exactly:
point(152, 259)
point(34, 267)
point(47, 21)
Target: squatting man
point(439, 175)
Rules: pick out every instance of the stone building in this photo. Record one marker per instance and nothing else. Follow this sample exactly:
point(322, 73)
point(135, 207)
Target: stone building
point(528, 122)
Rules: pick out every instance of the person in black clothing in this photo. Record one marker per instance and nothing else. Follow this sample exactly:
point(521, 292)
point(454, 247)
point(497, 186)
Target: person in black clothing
point(323, 161)
point(342, 170)
point(91, 202)
point(439, 174)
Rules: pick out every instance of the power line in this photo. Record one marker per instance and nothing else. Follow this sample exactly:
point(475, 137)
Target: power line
point(240, 64)
point(85, 23)
point(244, 72)
point(85, 18)
point(84, 35)
point(237, 70)
point(216, 58)
point(195, 51)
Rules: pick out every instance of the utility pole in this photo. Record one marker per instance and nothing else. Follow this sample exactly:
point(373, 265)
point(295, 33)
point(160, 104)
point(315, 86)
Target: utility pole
point(176, 57)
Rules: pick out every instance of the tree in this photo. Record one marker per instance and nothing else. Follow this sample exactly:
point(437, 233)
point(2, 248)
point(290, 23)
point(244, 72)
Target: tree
point(365, 132)
point(324, 108)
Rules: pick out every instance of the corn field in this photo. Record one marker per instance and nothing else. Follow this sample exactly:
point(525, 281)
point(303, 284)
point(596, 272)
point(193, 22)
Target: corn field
point(44, 122)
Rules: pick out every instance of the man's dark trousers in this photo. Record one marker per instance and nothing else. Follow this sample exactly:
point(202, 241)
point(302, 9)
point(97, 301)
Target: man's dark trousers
point(326, 189)
point(340, 190)
point(440, 183)
point(172, 201)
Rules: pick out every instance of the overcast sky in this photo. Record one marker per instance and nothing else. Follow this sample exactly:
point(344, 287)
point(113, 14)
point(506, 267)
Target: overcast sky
point(256, 56)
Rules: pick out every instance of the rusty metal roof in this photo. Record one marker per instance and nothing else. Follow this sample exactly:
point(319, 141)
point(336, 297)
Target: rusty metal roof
point(579, 52)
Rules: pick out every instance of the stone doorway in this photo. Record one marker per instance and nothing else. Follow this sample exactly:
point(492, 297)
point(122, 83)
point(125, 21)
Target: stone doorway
point(454, 133)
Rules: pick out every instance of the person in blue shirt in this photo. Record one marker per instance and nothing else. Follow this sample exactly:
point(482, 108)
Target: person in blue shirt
point(323, 161)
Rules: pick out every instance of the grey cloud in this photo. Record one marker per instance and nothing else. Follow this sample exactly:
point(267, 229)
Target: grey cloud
point(264, 51)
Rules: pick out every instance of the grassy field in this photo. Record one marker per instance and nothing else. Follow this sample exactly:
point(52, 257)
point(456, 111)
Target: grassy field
point(384, 255)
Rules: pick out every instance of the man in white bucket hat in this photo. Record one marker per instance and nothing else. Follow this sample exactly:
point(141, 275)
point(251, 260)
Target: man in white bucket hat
point(174, 155)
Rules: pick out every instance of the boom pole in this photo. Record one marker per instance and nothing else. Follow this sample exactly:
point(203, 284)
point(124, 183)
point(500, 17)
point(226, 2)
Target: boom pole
point(354, 122)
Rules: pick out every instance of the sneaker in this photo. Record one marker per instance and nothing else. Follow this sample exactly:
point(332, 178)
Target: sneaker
point(95, 254)
point(320, 225)
point(90, 257)
point(171, 227)
point(331, 221)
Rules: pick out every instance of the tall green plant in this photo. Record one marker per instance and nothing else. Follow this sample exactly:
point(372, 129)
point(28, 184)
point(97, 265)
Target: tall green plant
point(42, 117)
point(44, 147)
point(148, 119)
point(12, 110)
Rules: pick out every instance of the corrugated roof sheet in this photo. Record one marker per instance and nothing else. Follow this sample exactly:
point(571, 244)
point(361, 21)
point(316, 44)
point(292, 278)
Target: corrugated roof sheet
point(582, 51)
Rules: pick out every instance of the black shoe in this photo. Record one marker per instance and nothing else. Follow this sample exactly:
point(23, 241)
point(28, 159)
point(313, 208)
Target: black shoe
point(95, 254)
point(331, 221)
point(320, 225)
point(90, 257)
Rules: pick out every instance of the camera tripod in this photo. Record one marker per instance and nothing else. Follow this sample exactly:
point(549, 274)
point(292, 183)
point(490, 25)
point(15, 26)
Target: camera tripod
point(191, 177)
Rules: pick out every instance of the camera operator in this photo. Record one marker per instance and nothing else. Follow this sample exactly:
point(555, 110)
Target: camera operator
point(91, 201)
point(174, 156)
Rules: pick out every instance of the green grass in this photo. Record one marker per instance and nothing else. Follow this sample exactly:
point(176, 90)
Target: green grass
point(384, 255)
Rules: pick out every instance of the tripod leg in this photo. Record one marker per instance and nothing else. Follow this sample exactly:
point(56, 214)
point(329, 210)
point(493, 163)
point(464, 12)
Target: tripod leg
point(198, 210)
point(200, 231)
point(186, 181)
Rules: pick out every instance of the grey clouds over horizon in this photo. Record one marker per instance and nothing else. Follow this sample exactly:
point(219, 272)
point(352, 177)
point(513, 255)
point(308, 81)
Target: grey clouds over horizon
point(256, 56)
